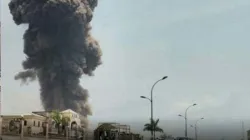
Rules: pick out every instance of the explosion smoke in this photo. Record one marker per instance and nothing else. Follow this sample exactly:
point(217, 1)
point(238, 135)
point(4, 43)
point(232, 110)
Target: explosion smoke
point(59, 49)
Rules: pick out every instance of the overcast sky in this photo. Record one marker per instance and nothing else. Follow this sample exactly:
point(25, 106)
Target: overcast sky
point(202, 45)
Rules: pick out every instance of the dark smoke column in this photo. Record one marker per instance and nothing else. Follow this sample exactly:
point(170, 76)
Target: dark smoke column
point(59, 49)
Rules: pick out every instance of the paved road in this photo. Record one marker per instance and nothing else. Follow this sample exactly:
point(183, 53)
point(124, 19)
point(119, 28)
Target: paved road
point(25, 138)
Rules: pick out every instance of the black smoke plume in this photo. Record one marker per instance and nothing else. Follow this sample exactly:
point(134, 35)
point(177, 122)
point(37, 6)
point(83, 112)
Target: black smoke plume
point(59, 49)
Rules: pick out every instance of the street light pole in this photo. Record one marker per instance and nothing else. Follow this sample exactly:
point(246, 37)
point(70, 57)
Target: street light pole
point(22, 124)
point(185, 117)
point(195, 128)
point(152, 134)
point(47, 127)
point(151, 101)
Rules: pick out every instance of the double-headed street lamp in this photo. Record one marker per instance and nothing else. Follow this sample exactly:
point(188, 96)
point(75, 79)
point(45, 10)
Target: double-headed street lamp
point(185, 117)
point(151, 101)
point(195, 128)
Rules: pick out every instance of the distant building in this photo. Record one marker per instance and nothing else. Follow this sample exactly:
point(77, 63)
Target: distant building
point(248, 135)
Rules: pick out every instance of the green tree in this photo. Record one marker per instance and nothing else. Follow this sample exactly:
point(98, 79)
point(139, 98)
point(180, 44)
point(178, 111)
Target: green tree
point(152, 126)
point(65, 123)
point(59, 120)
point(57, 117)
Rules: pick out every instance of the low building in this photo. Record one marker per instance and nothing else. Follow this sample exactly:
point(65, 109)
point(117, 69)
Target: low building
point(73, 116)
point(35, 122)
point(73, 124)
point(116, 131)
point(32, 124)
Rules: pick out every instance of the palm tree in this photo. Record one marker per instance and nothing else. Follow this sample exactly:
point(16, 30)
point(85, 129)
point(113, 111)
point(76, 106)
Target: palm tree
point(153, 126)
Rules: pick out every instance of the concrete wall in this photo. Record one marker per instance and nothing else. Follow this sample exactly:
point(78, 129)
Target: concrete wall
point(35, 125)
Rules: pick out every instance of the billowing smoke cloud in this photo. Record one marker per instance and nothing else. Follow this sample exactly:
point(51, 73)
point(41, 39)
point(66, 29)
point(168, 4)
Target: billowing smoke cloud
point(59, 49)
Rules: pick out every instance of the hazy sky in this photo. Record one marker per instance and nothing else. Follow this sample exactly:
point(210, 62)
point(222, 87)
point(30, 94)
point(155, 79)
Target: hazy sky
point(202, 45)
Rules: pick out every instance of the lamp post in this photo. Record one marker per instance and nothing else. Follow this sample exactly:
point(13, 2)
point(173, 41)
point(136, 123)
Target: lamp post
point(195, 128)
point(22, 123)
point(47, 128)
point(1, 125)
point(151, 101)
point(67, 132)
point(185, 117)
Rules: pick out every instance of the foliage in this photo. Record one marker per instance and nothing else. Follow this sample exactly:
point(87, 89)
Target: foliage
point(65, 120)
point(153, 125)
point(59, 119)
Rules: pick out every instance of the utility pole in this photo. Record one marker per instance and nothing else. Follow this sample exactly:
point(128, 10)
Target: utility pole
point(196, 136)
point(22, 124)
point(67, 132)
point(151, 103)
point(243, 131)
point(1, 119)
point(185, 117)
point(47, 126)
point(195, 128)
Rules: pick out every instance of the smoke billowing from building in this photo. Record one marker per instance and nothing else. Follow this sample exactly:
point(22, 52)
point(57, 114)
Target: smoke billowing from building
point(59, 49)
